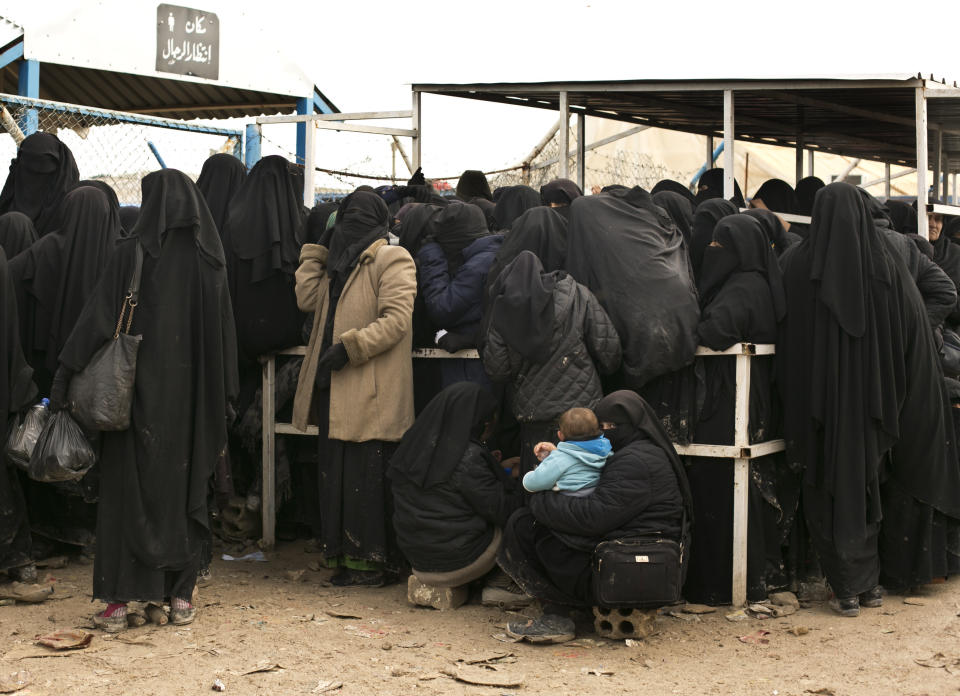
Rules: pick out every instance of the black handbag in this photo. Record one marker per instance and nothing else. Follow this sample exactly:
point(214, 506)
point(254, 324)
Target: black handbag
point(100, 396)
point(643, 572)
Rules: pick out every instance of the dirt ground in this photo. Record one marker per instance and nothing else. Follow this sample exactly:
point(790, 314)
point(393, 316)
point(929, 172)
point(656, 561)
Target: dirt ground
point(261, 614)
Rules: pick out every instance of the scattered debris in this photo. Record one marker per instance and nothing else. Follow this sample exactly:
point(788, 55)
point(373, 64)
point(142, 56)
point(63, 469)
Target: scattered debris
point(295, 575)
point(756, 638)
point(939, 660)
point(598, 671)
point(765, 610)
point(219, 685)
point(814, 591)
point(697, 609)
point(488, 675)
point(22, 592)
point(400, 672)
point(682, 616)
point(14, 681)
point(822, 692)
point(316, 566)
point(410, 645)
point(798, 630)
point(738, 615)
point(257, 556)
point(340, 614)
point(633, 643)
point(784, 599)
point(495, 657)
point(504, 638)
point(136, 619)
point(263, 667)
point(68, 639)
point(53, 563)
point(156, 614)
point(916, 601)
point(325, 686)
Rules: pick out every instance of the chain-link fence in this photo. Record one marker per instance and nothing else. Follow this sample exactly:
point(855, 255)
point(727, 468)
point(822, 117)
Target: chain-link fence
point(116, 147)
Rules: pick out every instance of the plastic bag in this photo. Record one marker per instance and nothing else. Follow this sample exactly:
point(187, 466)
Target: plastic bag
point(62, 452)
point(23, 438)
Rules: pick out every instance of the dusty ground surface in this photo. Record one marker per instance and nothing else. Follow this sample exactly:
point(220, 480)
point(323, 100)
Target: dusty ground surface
point(257, 614)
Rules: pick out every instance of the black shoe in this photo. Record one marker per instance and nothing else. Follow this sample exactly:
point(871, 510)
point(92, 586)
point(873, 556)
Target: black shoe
point(547, 629)
point(846, 606)
point(359, 578)
point(872, 598)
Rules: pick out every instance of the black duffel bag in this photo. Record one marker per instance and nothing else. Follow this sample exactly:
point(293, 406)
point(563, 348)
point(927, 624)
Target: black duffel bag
point(643, 573)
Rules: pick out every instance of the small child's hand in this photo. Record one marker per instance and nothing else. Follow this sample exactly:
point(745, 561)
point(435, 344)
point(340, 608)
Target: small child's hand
point(542, 449)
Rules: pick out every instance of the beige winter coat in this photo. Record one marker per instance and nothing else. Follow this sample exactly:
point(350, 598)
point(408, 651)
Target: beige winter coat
point(372, 397)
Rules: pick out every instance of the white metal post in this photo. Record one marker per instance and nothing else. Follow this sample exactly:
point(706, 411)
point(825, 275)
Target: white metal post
point(581, 151)
point(415, 125)
point(564, 136)
point(741, 482)
point(809, 162)
point(955, 201)
point(728, 156)
point(709, 159)
point(945, 187)
point(921, 123)
point(309, 155)
point(886, 180)
point(268, 500)
point(938, 163)
point(799, 160)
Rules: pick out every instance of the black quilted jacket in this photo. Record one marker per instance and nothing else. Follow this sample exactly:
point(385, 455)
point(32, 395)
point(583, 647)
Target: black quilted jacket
point(584, 342)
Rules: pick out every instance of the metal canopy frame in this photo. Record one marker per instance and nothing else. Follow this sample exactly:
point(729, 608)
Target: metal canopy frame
point(886, 119)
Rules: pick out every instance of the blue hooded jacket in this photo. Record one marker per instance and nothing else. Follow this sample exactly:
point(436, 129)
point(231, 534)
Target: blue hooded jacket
point(573, 466)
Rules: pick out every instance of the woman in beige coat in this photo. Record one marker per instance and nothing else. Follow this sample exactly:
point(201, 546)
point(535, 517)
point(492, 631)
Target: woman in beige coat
point(357, 381)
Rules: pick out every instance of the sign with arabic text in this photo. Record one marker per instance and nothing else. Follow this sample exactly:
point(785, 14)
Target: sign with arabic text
point(188, 41)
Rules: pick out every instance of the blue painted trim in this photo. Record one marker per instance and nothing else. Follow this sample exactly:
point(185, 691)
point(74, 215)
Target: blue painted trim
point(303, 107)
point(28, 85)
point(117, 117)
point(321, 105)
point(252, 146)
point(156, 153)
point(703, 169)
point(13, 53)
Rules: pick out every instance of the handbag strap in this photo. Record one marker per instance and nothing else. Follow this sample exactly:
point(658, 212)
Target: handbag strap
point(133, 294)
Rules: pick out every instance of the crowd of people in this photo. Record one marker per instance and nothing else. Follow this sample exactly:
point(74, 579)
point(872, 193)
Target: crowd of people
point(506, 471)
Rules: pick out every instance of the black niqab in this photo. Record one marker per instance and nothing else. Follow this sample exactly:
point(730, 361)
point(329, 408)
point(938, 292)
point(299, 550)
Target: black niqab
point(777, 236)
point(903, 215)
point(710, 186)
point(434, 445)
point(705, 219)
point(16, 233)
point(220, 178)
point(128, 217)
point(111, 195)
point(522, 309)
point(679, 208)
point(513, 202)
point(559, 191)
point(672, 186)
point(42, 173)
point(473, 184)
point(541, 230)
point(363, 218)
point(454, 228)
point(416, 226)
point(806, 191)
point(778, 196)
point(489, 209)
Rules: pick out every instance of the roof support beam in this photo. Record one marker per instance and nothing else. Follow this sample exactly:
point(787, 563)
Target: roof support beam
point(13, 53)
point(564, 135)
point(920, 107)
point(29, 86)
point(729, 162)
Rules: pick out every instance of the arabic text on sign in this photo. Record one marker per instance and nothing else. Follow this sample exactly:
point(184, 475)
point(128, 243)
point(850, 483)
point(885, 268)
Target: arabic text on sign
point(186, 52)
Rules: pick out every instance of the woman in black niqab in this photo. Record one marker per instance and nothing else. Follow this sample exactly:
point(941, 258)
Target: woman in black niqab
point(705, 219)
point(778, 237)
point(903, 215)
point(776, 195)
point(111, 195)
point(679, 208)
point(665, 185)
point(155, 476)
point(42, 173)
point(128, 218)
point(710, 186)
point(559, 193)
point(806, 191)
point(17, 233)
point(220, 178)
point(473, 184)
point(513, 202)
point(541, 230)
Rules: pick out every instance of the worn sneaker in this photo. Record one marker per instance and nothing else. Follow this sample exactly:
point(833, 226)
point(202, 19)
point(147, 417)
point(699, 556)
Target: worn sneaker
point(846, 606)
point(511, 597)
point(110, 624)
point(872, 598)
point(549, 628)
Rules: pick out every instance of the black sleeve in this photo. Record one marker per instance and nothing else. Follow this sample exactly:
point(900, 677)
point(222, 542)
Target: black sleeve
point(938, 291)
point(492, 497)
point(726, 320)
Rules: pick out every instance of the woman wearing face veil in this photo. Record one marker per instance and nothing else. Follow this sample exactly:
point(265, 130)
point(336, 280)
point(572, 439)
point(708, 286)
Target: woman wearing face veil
point(548, 547)
point(550, 340)
point(452, 497)
point(513, 202)
point(152, 517)
point(41, 175)
point(705, 220)
point(220, 178)
point(865, 416)
point(741, 291)
point(710, 186)
point(16, 233)
point(357, 379)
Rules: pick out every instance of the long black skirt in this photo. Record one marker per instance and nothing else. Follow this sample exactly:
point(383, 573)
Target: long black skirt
point(356, 505)
point(15, 543)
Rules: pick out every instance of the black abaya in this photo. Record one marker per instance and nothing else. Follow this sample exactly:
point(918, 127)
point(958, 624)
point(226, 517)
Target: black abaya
point(42, 173)
point(155, 477)
point(220, 178)
point(513, 202)
point(16, 233)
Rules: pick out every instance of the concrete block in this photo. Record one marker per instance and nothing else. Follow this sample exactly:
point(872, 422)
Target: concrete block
point(436, 597)
point(625, 623)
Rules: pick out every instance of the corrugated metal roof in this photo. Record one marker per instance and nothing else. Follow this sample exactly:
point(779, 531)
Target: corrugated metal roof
point(867, 117)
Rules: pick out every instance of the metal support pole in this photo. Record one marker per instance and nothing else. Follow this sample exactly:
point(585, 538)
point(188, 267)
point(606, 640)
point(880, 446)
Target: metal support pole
point(945, 181)
point(741, 482)
point(581, 150)
point(415, 125)
point(28, 85)
point(564, 136)
point(729, 161)
point(251, 145)
point(810, 154)
point(304, 106)
point(886, 180)
point(308, 165)
point(268, 502)
point(709, 161)
point(938, 163)
point(955, 198)
point(921, 123)
point(799, 161)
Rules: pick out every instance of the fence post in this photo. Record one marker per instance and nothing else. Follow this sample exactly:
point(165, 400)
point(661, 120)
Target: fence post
point(303, 107)
point(29, 86)
point(741, 480)
point(252, 145)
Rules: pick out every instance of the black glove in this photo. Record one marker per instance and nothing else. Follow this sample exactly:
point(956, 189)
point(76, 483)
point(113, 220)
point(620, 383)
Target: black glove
point(452, 342)
point(58, 388)
point(334, 358)
point(417, 179)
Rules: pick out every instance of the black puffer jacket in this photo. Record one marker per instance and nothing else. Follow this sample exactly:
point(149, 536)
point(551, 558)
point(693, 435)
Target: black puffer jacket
point(637, 495)
point(448, 526)
point(584, 341)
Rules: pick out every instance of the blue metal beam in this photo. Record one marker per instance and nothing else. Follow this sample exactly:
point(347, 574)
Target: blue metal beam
point(13, 53)
point(252, 145)
point(321, 104)
point(303, 107)
point(28, 85)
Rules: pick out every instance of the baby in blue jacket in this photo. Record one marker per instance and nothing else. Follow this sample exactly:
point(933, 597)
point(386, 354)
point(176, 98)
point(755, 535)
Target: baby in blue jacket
point(572, 467)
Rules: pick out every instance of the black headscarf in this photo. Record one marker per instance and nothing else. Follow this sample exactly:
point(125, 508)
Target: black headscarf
point(220, 178)
point(665, 185)
point(265, 216)
point(903, 215)
point(316, 223)
point(560, 191)
point(522, 309)
point(455, 227)
point(128, 217)
point(711, 186)
point(473, 184)
point(541, 230)
point(432, 448)
point(111, 195)
point(514, 201)
point(779, 238)
point(362, 219)
point(743, 248)
point(705, 219)
point(778, 196)
point(806, 191)
point(42, 173)
point(489, 209)
point(16, 233)
point(679, 208)
point(416, 226)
